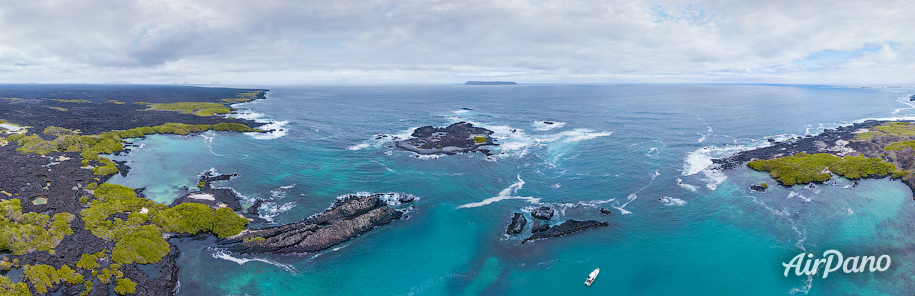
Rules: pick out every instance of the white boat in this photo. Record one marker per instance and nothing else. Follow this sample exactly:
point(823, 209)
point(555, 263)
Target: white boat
point(592, 276)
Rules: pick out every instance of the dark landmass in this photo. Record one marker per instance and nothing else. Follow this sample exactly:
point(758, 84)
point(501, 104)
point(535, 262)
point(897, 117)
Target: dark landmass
point(911, 97)
point(517, 224)
point(345, 219)
point(539, 226)
point(543, 213)
point(456, 138)
point(490, 83)
point(45, 181)
point(567, 227)
point(889, 141)
point(605, 211)
point(87, 108)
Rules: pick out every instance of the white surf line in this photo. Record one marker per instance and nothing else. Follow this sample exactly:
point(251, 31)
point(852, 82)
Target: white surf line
point(503, 195)
point(633, 196)
point(222, 254)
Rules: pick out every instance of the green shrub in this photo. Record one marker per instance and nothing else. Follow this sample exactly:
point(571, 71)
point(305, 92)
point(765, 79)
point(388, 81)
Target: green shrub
point(69, 275)
point(479, 140)
point(22, 233)
point(42, 277)
point(899, 145)
point(804, 168)
point(125, 286)
point(764, 185)
point(212, 111)
point(7, 287)
point(87, 261)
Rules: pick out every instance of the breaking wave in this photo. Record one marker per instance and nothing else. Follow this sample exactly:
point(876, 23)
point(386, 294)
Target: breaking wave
point(503, 195)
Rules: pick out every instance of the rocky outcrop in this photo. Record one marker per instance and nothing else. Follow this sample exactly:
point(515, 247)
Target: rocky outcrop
point(456, 138)
point(516, 225)
point(213, 197)
point(544, 213)
point(759, 188)
point(345, 219)
point(567, 227)
point(605, 211)
point(538, 226)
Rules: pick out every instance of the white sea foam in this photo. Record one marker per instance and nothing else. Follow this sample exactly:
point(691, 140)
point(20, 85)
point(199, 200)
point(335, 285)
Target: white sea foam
point(905, 101)
point(277, 131)
point(426, 156)
point(544, 126)
point(654, 150)
point(226, 255)
point(389, 198)
point(686, 186)
point(702, 139)
point(701, 159)
point(503, 195)
point(358, 146)
point(629, 199)
point(793, 194)
point(208, 139)
point(462, 111)
point(556, 186)
point(671, 201)
point(271, 209)
point(714, 178)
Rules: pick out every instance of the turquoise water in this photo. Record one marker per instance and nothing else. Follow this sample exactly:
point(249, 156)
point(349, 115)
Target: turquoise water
point(679, 227)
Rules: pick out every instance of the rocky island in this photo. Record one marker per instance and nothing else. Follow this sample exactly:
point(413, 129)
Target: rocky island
point(870, 149)
point(456, 138)
point(541, 228)
point(490, 83)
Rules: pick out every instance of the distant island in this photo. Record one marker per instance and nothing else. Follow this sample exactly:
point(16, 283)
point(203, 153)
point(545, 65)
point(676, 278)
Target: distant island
point(490, 83)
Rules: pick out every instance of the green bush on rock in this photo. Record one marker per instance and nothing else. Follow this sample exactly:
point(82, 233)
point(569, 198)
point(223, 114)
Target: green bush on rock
point(804, 168)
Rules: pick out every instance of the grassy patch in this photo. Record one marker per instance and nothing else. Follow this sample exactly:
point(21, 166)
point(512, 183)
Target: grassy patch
point(900, 145)
point(196, 108)
point(73, 101)
point(116, 102)
point(479, 140)
point(804, 168)
point(899, 129)
point(59, 108)
point(212, 111)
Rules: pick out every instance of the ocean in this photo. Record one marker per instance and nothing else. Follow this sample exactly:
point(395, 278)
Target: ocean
point(643, 151)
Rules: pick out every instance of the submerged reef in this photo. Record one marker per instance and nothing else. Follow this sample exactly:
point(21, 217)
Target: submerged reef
point(871, 149)
point(456, 138)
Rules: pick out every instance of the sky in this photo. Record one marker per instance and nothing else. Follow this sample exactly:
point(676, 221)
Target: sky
point(276, 42)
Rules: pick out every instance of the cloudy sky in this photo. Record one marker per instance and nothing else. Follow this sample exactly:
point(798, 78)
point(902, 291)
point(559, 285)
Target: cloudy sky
point(412, 41)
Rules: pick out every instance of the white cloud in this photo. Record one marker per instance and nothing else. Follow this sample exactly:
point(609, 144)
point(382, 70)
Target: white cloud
point(412, 41)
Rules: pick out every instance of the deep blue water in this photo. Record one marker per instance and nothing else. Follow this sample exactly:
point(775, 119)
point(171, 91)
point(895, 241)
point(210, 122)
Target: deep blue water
point(678, 227)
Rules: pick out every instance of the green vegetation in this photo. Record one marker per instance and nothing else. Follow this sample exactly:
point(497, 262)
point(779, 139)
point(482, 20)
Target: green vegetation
point(116, 102)
point(254, 239)
point(42, 277)
point(88, 289)
point(139, 239)
point(899, 129)
point(764, 185)
point(22, 233)
point(69, 275)
point(125, 286)
point(805, 168)
point(7, 287)
point(900, 174)
point(73, 101)
point(479, 140)
point(900, 145)
point(59, 108)
point(91, 146)
point(196, 108)
point(87, 261)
